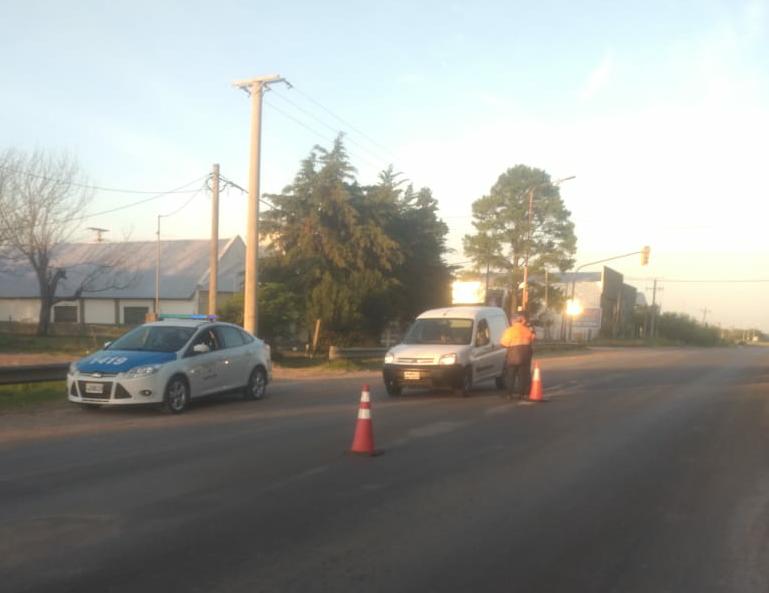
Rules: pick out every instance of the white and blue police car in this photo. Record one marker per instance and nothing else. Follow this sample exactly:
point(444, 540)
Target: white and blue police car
point(170, 362)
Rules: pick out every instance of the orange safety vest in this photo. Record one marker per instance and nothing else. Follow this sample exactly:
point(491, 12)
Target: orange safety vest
point(517, 334)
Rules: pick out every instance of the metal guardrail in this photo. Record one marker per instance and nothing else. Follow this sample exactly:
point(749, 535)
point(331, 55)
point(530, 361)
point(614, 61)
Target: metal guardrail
point(11, 375)
point(336, 353)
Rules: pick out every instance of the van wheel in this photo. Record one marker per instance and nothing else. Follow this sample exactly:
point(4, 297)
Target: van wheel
point(393, 388)
point(500, 382)
point(466, 385)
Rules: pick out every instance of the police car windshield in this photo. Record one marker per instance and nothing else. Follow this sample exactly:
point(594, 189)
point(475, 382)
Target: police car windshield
point(440, 331)
point(154, 338)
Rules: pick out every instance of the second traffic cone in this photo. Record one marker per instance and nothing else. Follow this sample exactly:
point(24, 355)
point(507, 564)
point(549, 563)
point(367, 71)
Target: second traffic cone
point(363, 441)
point(536, 385)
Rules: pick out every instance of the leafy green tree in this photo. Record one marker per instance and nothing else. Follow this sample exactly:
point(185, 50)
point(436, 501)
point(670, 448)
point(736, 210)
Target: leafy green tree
point(279, 311)
point(411, 218)
point(331, 252)
point(684, 329)
point(504, 235)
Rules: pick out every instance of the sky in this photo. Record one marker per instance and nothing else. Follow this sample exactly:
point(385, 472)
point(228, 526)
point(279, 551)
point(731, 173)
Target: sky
point(660, 109)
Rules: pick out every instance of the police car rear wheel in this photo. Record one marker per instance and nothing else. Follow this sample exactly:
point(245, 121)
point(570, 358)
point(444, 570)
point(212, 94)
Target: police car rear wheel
point(177, 396)
point(257, 384)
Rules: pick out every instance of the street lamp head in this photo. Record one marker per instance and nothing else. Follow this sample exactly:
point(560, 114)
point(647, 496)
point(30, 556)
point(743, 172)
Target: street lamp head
point(573, 308)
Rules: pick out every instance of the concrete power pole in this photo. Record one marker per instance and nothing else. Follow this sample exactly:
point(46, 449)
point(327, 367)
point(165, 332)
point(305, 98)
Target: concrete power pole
point(255, 87)
point(653, 327)
point(213, 267)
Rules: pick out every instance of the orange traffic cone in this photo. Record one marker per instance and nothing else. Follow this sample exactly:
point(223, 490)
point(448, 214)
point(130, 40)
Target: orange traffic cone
point(363, 441)
point(536, 385)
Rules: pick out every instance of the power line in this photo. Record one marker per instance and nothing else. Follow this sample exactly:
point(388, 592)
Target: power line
point(332, 128)
point(316, 132)
point(229, 183)
point(348, 124)
point(87, 186)
point(183, 206)
point(139, 202)
point(713, 281)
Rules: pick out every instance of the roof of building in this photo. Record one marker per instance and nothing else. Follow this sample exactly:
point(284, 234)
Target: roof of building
point(126, 270)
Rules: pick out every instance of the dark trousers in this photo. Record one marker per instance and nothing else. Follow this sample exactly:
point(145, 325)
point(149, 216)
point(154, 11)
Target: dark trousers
point(519, 369)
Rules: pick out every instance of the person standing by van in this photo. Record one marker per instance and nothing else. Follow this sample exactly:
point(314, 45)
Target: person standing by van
point(518, 339)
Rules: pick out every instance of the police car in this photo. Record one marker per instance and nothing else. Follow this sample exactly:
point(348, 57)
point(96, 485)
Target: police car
point(170, 362)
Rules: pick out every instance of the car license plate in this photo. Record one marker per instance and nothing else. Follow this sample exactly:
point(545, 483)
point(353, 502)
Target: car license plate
point(411, 375)
point(94, 388)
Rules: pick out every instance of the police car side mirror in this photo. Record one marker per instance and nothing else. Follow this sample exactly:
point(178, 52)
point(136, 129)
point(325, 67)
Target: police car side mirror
point(107, 345)
point(200, 348)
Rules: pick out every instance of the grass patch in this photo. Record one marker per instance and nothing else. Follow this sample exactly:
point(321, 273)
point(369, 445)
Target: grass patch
point(320, 363)
point(366, 364)
point(14, 397)
point(74, 345)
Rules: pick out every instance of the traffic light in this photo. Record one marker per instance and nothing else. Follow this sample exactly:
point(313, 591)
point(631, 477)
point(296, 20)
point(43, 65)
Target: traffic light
point(645, 255)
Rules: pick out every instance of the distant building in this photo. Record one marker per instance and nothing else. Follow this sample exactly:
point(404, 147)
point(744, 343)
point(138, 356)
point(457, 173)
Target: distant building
point(184, 271)
point(607, 305)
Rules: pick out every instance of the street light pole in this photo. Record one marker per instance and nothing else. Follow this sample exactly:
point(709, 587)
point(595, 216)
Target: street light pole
point(255, 87)
point(530, 191)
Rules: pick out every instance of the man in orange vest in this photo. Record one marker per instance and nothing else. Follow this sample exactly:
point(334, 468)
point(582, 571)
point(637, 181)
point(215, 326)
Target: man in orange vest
point(518, 339)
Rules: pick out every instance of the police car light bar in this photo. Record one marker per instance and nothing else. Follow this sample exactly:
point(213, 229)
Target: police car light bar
point(186, 316)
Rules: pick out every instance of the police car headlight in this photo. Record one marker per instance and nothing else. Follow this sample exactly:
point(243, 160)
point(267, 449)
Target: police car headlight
point(143, 371)
point(448, 359)
point(72, 368)
point(389, 358)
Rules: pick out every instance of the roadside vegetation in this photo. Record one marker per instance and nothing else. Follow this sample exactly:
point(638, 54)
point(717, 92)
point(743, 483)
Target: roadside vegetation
point(16, 397)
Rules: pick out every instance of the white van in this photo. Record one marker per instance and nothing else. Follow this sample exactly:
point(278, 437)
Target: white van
point(452, 348)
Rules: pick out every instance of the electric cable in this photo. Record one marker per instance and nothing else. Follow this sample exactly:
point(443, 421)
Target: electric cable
point(94, 187)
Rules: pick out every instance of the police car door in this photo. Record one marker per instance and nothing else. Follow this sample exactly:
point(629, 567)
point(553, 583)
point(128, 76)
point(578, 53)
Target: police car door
point(204, 368)
point(236, 361)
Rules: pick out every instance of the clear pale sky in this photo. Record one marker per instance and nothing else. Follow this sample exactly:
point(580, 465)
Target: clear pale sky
point(660, 109)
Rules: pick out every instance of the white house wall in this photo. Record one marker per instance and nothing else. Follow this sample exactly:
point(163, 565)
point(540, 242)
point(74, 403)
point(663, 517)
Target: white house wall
point(19, 310)
point(99, 311)
point(179, 307)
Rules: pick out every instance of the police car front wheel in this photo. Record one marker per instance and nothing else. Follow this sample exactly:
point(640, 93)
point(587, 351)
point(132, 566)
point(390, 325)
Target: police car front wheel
point(177, 396)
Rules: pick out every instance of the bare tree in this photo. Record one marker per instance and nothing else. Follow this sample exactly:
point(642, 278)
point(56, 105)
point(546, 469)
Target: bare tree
point(42, 201)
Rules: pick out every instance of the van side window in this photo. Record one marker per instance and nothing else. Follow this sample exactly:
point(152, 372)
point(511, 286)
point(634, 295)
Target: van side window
point(482, 334)
point(498, 325)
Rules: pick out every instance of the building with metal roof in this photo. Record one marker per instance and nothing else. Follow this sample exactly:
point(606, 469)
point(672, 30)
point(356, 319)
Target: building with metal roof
point(118, 280)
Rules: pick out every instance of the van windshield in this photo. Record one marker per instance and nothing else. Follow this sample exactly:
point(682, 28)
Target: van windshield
point(440, 331)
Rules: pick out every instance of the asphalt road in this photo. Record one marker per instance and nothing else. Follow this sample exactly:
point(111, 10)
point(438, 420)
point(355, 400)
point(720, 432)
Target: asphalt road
point(647, 471)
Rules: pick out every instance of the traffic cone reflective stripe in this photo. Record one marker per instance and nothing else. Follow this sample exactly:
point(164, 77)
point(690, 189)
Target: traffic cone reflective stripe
point(536, 385)
point(363, 441)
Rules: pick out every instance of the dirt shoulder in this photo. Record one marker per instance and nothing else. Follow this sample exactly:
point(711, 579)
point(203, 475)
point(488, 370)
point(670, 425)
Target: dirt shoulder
point(31, 358)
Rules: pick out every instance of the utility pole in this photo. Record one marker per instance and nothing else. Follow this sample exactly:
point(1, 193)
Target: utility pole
point(157, 272)
point(213, 267)
point(705, 312)
point(653, 327)
point(530, 191)
point(256, 88)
